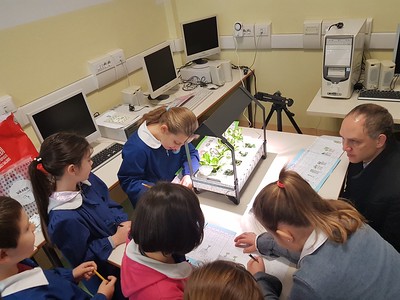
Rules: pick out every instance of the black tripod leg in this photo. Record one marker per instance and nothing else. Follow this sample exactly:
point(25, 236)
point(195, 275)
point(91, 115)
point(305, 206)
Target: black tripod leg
point(279, 118)
point(271, 111)
point(290, 117)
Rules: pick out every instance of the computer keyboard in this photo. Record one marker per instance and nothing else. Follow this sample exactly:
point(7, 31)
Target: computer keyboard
point(198, 98)
point(379, 95)
point(106, 155)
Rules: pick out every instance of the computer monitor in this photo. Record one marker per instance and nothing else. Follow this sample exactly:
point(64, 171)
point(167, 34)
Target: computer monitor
point(396, 52)
point(158, 66)
point(70, 113)
point(200, 39)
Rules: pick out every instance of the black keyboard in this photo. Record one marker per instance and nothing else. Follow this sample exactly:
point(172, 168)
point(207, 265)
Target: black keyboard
point(106, 155)
point(379, 95)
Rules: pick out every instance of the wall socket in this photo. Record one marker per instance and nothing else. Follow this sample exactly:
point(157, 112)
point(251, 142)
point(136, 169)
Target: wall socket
point(100, 64)
point(117, 56)
point(106, 62)
point(248, 29)
point(262, 29)
point(7, 105)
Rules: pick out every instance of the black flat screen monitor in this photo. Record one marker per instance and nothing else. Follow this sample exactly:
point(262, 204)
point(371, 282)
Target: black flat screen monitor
point(159, 68)
point(396, 52)
point(200, 39)
point(70, 114)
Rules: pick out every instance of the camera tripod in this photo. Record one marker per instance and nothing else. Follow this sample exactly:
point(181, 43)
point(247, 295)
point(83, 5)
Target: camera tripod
point(279, 104)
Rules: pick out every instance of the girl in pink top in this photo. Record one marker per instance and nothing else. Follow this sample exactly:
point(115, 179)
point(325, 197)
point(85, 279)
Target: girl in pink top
point(168, 224)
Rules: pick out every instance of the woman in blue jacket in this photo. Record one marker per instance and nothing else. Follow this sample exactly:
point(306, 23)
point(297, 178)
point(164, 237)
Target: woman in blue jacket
point(76, 212)
point(155, 153)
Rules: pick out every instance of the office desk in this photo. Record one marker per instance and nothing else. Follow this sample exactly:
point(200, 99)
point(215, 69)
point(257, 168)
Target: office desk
point(338, 108)
point(282, 148)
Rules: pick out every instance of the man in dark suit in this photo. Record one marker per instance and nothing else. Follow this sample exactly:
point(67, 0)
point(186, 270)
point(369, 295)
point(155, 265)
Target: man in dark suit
point(373, 175)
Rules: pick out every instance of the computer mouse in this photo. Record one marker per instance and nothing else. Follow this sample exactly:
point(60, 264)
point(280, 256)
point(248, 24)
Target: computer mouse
point(212, 86)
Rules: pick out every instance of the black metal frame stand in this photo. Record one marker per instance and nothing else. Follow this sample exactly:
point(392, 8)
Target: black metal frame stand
point(279, 104)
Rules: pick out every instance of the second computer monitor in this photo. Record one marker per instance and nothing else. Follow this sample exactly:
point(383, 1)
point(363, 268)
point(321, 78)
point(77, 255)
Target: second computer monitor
point(160, 72)
point(200, 39)
point(396, 52)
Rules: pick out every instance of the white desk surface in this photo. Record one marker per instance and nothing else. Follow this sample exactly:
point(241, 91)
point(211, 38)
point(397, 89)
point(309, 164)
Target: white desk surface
point(338, 108)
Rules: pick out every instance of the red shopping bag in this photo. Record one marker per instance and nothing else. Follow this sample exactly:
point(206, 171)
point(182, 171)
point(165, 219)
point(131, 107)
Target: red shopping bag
point(16, 153)
point(14, 144)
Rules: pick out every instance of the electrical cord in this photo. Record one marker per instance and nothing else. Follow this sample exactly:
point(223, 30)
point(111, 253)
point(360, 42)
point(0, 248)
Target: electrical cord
point(193, 82)
point(256, 42)
point(189, 63)
point(394, 82)
point(126, 71)
point(339, 25)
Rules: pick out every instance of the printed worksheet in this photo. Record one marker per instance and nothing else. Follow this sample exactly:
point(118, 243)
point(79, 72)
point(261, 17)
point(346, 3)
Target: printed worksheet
point(317, 162)
point(217, 244)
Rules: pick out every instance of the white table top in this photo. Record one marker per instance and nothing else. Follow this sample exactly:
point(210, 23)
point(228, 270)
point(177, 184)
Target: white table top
point(338, 108)
point(282, 147)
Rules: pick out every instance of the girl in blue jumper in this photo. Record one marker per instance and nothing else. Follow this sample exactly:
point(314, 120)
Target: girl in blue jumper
point(155, 153)
point(21, 278)
point(76, 212)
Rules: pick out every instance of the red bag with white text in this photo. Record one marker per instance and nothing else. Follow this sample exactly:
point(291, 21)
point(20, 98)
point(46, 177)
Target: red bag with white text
point(16, 153)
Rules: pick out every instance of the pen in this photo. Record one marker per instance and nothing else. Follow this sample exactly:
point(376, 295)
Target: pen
point(253, 258)
point(98, 275)
point(146, 185)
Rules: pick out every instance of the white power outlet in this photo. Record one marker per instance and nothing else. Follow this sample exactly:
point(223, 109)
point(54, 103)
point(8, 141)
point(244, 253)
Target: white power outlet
point(117, 56)
point(262, 29)
point(101, 64)
point(248, 29)
point(7, 105)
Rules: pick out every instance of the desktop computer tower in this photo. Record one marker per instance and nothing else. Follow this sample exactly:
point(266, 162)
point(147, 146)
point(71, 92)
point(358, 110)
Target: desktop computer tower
point(372, 71)
point(201, 74)
point(214, 71)
point(118, 123)
point(342, 57)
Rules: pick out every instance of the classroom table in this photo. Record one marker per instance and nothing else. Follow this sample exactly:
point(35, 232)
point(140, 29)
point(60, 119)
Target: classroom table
point(282, 147)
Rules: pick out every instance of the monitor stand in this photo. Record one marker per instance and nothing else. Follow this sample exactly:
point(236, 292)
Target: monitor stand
point(159, 98)
point(200, 63)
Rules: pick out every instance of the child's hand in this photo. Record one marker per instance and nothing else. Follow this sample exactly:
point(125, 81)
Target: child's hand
point(186, 181)
point(107, 287)
point(84, 270)
point(246, 240)
point(256, 266)
point(122, 233)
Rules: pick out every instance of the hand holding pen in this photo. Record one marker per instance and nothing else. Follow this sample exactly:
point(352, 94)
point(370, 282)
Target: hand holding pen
point(255, 264)
point(84, 271)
